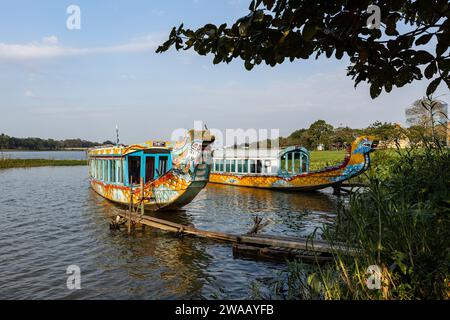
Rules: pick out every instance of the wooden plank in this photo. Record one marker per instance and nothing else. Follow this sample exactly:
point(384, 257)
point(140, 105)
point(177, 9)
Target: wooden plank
point(262, 241)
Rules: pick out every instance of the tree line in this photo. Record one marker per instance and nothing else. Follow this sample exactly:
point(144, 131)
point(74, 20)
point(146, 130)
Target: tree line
point(13, 143)
point(321, 133)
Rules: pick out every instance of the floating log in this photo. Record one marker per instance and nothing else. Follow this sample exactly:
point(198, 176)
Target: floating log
point(279, 254)
point(272, 245)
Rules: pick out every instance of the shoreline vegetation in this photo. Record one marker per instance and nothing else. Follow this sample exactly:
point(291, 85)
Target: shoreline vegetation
point(400, 225)
point(43, 150)
point(30, 163)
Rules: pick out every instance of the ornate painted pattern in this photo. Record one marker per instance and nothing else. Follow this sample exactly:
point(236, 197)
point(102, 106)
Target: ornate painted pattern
point(167, 189)
point(357, 162)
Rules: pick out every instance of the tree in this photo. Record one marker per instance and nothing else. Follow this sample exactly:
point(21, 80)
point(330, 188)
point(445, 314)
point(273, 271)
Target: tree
point(385, 131)
point(4, 141)
point(320, 132)
point(343, 136)
point(429, 114)
point(276, 30)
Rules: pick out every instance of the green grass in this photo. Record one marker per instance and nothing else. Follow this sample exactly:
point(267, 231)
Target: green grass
point(327, 156)
point(322, 159)
point(29, 163)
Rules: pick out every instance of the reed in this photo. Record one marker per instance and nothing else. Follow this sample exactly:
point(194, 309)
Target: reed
point(401, 223)
point(6, 163)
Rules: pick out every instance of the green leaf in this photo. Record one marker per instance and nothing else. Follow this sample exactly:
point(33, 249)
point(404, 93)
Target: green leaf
point(375, 90)
point(248, 65)
point(339, 54)
point(423, 57)
point(388, 87)
point(433, 86)
point(430, 70)
point(423, 39)
point(309, 30)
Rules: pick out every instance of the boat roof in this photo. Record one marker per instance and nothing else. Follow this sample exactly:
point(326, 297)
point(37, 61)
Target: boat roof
point(123, 150)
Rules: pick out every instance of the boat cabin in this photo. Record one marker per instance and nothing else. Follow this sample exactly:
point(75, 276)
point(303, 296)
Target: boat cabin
point(289, 161)
point(121, 166)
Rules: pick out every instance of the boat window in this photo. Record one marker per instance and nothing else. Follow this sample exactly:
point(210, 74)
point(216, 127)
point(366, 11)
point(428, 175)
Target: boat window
point(162, 166)
point(216, 166)
point(105, 170)
point(102, 169)
point(258, 166)
point(245, 166)
point(113, 171)
point(227, 165)
point(120, 171)
point(240, 166)
point(97, 169)
point(297, 164)
point(134, 169)
point(149, 169)
point(233, 165)
point(221, 165)
point(304, 163)
point(283, 163)
point(252, 166)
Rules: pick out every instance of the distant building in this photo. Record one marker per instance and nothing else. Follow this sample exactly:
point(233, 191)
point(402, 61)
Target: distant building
point(320, 147)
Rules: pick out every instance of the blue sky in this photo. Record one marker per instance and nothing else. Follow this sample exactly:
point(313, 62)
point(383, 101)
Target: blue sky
point(60, 83)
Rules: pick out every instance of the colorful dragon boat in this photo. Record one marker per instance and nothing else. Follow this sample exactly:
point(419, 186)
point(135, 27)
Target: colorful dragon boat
point(158, 174)
point(287, 168)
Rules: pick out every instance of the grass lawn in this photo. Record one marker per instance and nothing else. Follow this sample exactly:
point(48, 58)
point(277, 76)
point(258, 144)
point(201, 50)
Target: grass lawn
point(28, 163)
point(327, 156)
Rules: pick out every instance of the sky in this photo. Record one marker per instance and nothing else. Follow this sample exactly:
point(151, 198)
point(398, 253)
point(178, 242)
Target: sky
point(60, 83)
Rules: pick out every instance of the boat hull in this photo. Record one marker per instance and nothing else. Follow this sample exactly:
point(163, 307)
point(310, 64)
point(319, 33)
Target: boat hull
point(356, 162)
point(173, 189)
point(296, 183)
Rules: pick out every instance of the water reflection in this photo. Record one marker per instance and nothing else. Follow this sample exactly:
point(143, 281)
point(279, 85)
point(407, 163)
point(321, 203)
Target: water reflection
point(52, 219)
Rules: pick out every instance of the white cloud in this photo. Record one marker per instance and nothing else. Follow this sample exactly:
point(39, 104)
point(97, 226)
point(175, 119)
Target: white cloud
point(52, 40)
point(49, 48)
point(29, 93)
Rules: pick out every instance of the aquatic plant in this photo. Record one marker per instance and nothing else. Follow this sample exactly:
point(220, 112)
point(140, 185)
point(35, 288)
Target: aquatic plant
point(401, 224)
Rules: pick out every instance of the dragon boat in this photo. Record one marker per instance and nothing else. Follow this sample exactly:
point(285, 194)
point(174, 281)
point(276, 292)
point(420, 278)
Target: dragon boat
point(160, 175)
point(287, 168)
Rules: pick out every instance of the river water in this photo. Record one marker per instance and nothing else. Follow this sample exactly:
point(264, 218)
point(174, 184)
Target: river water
point(51, 219)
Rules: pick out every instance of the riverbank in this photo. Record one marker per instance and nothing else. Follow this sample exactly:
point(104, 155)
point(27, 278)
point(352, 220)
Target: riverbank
point(29, 163)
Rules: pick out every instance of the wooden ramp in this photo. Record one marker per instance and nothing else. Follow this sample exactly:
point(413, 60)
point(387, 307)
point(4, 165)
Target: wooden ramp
point(251, 245)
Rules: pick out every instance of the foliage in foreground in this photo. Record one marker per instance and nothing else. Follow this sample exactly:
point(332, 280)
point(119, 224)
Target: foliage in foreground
point(275, 31)
point(401, 224)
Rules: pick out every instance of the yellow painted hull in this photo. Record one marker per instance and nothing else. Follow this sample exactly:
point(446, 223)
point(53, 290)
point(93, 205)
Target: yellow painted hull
point(357, 161)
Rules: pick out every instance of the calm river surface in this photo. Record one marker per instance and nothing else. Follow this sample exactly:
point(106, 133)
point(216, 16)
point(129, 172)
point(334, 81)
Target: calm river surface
point(51, 219)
